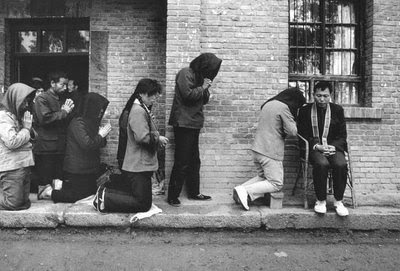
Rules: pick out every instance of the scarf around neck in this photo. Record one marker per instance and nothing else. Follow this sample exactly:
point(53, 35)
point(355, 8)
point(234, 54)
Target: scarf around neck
point(327, 123)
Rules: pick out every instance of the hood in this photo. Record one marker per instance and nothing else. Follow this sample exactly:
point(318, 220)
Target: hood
point(14, 97)
point(92, 108)
point(292, 97)
point(207, 65)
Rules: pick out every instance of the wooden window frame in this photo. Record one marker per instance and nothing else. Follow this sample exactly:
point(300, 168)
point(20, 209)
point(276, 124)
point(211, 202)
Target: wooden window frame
point(310, 79)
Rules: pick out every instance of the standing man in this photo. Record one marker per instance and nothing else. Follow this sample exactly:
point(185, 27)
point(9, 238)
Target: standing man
point(191, 94)
point(322, 123)
point(51, 114)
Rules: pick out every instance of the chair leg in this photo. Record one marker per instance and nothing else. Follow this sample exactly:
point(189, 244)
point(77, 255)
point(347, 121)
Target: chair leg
point(306, 184)
point(297, 178)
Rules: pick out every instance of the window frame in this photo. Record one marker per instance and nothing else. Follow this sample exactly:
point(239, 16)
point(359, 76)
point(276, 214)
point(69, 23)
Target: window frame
point(311, 78)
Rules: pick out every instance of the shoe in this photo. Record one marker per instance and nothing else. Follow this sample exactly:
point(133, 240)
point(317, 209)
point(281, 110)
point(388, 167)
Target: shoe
point(235, 197)
point(340, 209)
point(57, 184)
point(320, 207)
point(242, 196)
point(44, 192)
point(98, 201)
point(200, 197)
point(95, 200)
point(174, 202)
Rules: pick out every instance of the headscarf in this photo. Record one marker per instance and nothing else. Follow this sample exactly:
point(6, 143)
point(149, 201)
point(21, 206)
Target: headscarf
point(292, 97)
point(15, 96)
point(91, 110)
point(205, 65)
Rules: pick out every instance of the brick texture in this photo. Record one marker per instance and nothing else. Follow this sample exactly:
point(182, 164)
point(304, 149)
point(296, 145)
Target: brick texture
point(150, 38)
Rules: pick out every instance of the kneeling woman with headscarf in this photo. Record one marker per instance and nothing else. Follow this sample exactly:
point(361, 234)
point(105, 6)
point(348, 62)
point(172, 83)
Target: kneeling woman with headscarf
point(133, 193)
point(85, 137)
point(276, 122)
point(16, 156)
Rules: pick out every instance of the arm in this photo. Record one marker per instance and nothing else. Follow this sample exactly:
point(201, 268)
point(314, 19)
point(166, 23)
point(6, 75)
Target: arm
point(288, 123)
point(81, 134)
point(45, 114)
point(339, 141)
point(189, 93)
point(11, 136)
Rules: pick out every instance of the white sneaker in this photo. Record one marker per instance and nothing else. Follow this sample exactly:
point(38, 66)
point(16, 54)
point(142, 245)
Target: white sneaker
point(340, 209)
point(320, 207)
point(242, 196)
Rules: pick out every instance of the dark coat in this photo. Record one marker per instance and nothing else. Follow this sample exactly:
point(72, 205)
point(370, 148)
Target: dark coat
point(82, 154)
point(190, 96)
point(50, 123)
point(337, 135)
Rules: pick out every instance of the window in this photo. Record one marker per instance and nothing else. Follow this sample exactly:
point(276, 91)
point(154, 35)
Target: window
point(41, 45)
point(325, 44)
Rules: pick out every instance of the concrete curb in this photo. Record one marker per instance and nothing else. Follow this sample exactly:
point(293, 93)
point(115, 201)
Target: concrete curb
point(221, 213)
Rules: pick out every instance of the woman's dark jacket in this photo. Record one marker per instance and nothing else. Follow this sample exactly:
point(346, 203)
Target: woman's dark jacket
point(190, 96)
point(82, 155)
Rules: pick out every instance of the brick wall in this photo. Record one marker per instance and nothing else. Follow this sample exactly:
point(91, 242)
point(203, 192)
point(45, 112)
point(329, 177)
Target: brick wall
point(375, 142)
point(251, 38)
point(151, 38)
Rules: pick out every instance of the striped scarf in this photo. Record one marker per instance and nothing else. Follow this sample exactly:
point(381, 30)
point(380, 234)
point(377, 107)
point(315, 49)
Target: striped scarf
point(327, 123)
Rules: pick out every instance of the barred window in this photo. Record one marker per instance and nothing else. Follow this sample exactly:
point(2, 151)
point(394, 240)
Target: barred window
point(325, 44)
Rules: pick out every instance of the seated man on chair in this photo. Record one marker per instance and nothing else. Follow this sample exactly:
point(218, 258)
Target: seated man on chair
point(322, 123)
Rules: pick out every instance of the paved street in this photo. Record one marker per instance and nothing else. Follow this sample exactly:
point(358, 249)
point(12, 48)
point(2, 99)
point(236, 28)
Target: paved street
point(124, 249)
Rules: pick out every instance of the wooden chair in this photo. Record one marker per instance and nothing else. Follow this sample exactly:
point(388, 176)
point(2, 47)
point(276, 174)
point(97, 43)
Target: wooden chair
point(303, 172)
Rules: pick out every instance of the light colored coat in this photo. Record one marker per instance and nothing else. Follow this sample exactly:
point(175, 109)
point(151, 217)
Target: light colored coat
point(15, 148)
point(140, 155)
point(275, 123)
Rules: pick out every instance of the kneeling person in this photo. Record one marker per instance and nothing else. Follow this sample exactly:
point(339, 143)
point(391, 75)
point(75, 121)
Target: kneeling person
point(133, 194)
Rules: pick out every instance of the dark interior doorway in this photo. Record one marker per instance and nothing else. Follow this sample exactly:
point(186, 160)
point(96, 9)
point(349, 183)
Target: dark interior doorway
point(42, 45)
point(76, 67)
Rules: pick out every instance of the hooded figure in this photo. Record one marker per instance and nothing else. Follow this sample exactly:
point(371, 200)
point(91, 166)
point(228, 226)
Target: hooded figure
point(292, 97)
point(15, 149)
point(82, 155)
point(276, 122)
point(187, 117)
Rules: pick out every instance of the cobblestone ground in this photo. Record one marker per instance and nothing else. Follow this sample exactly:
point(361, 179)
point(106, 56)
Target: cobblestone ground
point(130, 249)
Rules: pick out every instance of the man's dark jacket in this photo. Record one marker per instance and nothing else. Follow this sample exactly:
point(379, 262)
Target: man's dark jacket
point(337, 135)
point(50, 124)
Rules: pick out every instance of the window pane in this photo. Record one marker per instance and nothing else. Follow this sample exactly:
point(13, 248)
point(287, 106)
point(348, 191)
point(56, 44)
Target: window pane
point(53, 41)
point(78, 41)
point(346, 93)
point(304, 11)
point(304, 86)
point(340, 11)
point(305, 35)
point(340, 63)
point(304, 61)
point(340, 37)
point(27, 42)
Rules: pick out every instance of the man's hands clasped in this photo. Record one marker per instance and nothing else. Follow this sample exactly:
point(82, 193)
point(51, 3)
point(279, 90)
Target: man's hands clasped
point(327, 150)
point(68, 106)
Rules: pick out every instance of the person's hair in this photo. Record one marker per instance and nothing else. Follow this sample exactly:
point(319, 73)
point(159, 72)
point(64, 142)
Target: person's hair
point(36, 84)
point(145, 86)
point(322, 85)
point(76, 82)
point(55, 76)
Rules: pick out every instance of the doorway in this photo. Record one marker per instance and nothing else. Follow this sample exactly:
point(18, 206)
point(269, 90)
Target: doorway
point(41, 46)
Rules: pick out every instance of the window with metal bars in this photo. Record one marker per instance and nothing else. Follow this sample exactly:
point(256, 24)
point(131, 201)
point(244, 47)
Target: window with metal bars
point(325, 44)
